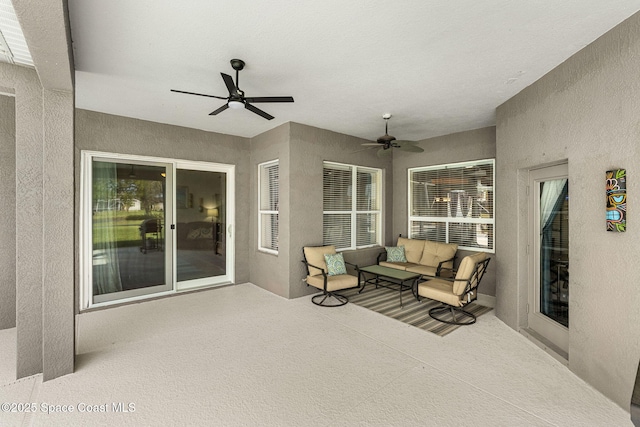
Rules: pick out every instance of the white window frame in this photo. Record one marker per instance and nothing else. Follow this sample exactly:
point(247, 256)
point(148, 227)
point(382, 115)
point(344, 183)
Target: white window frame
point(354, 201)
point(450, 220)
point(262, 212)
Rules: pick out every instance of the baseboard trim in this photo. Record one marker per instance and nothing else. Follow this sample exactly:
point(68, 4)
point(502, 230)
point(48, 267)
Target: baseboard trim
point(486, 300)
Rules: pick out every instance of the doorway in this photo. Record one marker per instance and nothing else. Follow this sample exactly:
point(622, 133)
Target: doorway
point(548, 307)
point(153, 226)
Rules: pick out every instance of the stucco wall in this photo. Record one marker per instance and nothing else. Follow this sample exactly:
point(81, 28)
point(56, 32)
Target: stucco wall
point(115, 134)
point(58, 238)
point(28, 226)
point(7, 212)
point(43, 172)
point(458, 147)
point(587, 111)
point(309, 148)
point(271, 271)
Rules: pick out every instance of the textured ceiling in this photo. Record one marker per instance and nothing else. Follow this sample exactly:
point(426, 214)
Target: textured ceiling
point(438, 66)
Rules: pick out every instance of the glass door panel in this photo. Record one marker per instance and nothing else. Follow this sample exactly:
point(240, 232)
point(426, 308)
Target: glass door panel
point(201, 220)
point(128, 225)
point(554, 250)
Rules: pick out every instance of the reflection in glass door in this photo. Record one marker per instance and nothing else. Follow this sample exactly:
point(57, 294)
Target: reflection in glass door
point(201, 210)
point(128, 230)
point(549, 294)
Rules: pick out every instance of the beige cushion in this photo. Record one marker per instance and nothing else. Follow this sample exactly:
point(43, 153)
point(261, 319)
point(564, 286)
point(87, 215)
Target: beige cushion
point(315, 256)
point(398, 265)
point(436, 252)
point(334, 283)
point(412, 249)
point(423, 269)
point(465, 270)
point(439, 290)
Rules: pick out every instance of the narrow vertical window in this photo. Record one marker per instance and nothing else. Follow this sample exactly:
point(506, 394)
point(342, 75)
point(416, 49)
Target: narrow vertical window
point(268, 201)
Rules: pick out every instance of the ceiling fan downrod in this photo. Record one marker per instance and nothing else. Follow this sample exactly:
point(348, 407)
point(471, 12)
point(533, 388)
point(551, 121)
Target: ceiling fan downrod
point(238, 65)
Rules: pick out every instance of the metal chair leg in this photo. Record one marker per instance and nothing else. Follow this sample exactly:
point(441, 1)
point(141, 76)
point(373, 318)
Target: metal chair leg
point(332, 296)
point(440, 313)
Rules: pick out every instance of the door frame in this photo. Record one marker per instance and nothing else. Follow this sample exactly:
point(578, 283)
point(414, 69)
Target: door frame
point(555, 333)
point(85, 225)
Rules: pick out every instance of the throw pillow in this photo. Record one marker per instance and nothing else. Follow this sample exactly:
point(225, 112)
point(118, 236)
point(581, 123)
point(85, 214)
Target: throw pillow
point(395, 254)
point(335, 264)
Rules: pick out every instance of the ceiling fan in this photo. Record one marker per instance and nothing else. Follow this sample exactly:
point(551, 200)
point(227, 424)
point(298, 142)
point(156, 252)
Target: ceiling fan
point(387, 141)
point(236, 98)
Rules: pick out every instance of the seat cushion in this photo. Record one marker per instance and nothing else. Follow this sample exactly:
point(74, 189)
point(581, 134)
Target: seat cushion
point(423, 269)
point(334, 283)
point(315, 256)
point(398, 265)
point(436, 252)
point(439, 290)
point(412, 249)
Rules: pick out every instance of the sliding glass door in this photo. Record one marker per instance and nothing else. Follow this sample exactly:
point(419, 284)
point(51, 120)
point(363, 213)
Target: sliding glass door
point(152, 226)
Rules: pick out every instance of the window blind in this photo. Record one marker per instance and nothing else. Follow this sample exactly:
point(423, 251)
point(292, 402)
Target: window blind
point(453, 204)
point(268, 200)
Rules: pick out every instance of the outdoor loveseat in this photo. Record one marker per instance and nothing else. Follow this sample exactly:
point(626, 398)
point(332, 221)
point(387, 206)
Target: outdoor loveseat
point(428, 258)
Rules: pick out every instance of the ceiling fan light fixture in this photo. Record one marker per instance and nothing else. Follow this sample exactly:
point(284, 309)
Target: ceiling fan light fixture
point(236, 105)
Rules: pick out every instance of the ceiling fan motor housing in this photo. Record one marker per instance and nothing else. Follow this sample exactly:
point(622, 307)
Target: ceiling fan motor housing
point(386, 139)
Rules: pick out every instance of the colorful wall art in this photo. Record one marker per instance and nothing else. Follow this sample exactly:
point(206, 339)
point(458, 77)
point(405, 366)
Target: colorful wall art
point(617, 200)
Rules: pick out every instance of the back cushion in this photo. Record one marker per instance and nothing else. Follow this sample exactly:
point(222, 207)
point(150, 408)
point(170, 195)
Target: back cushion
point(435, 252)
point(412, 249)
point(465, 270)
point(315, 255)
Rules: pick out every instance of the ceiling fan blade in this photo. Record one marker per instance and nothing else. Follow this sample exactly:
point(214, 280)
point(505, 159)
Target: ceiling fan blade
point(383, 152)
point(199, 94)
point(219, 110)
point(364, 149)
point(372, 144)
point(270, 99)
point(228, 81)
point(257, 111)
point(409, 146)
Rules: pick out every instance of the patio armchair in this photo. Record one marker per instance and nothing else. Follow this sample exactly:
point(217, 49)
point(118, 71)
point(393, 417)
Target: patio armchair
point(456, 293)
point(320, 276)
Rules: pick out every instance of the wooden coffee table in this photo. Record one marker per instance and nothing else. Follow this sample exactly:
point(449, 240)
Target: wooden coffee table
point(387, 277)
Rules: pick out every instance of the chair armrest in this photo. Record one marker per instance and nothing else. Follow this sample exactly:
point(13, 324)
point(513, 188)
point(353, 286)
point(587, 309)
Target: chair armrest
point(382, 256)
point(440, 267)
point(450, 272)
point(355, 266)
point(324, 273)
